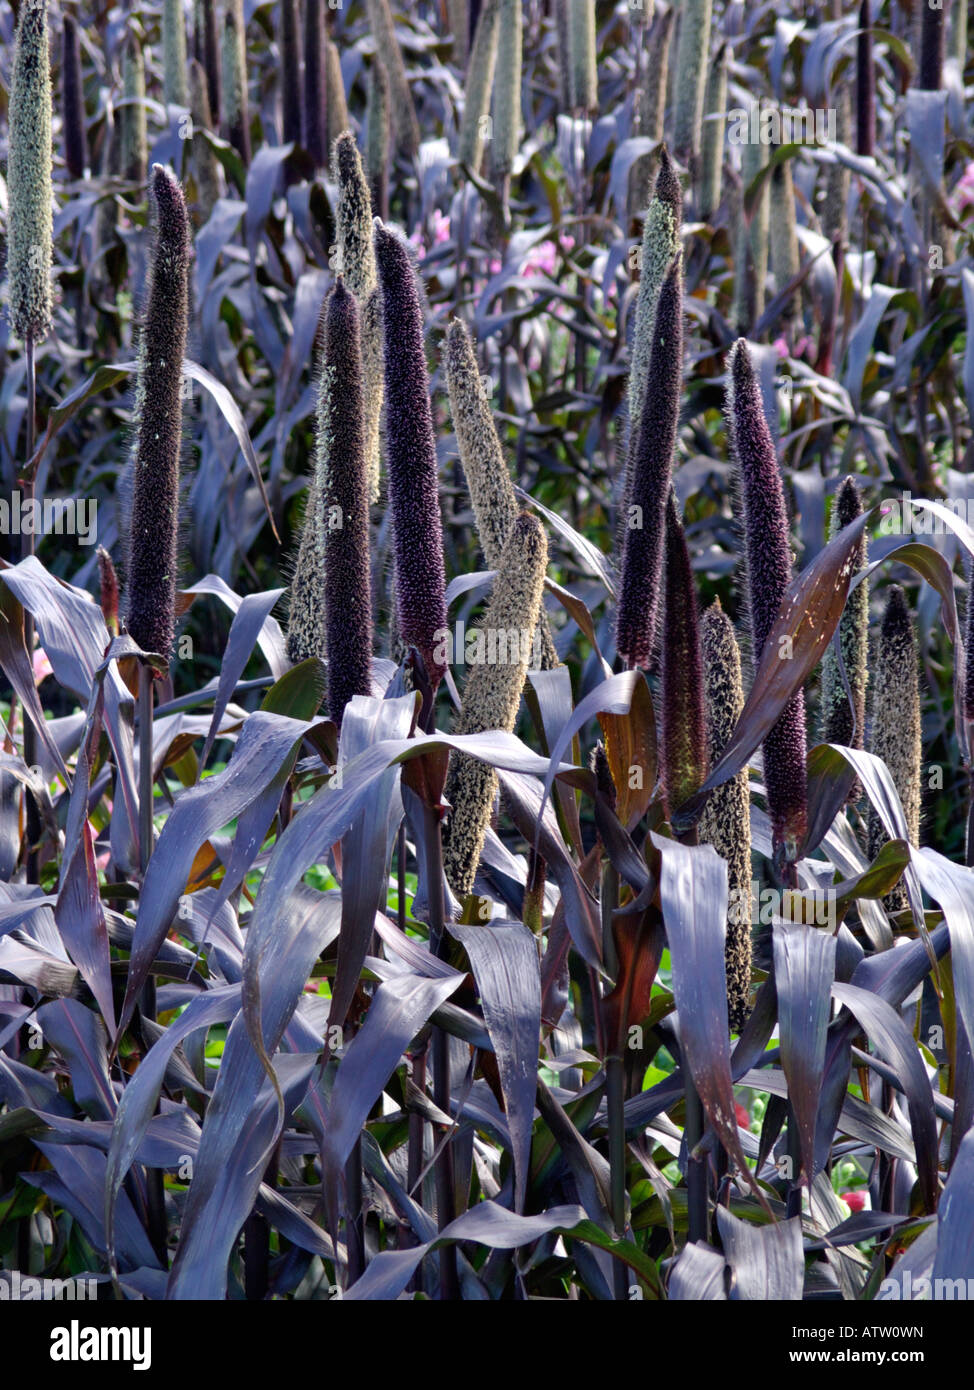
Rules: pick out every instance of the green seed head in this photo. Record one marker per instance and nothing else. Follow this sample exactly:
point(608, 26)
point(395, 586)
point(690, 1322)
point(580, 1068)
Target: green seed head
point(29, 185)
point(491, 492)
point(507, 88)
point(726, 819)
point(233, 66)
point(784, 238)
point(840, 722)
point(712, 156)
point(492, 695)
point(584, 76)
point(135, 141)
point(337, 106)
point(896, 725)
point(174, 53)
point(377, 138)
point(480, 77)
point(691, 75)
point(403, 110)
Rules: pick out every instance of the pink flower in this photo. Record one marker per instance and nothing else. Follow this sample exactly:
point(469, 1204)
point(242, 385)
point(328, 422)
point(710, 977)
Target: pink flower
point(741, 1115)
point(855, 1201)
point(493, 266)
point(441, 227)
point(417, 238)
point(963, 196)
point(802, 346)
point(42, 667)
point(780, 347)
point(566, 241)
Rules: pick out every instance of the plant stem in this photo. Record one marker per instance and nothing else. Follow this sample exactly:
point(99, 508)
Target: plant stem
point(697, 1214)
point(32, 814)
point(445, 1206)
point(615, 1089)
point(354, 1217)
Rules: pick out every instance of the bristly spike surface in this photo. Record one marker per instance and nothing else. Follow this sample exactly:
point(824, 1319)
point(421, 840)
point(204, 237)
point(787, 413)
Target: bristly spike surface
point(842, 723)
point(29, 185)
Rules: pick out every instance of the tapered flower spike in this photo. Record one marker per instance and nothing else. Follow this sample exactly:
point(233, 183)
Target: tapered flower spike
point(480, 78)
point(958, 33)
point(684, 740)
point(357, 259)
point(642, 557)
point(108, 586)
point(377, 138)
point(840, 722)
point(582, 59)
point(206, 166)
point(784, 237)
point(334, 82)
point(152, 545)
point(751, 248)
point(343, 486)
point(29, 186)
point(315, 84)
point(507, 89)
point(726, 819)
point(135, 140)
point(865, 85)
point(769, 572)
point(289, 42)
point(233, 57)
point(896, 725)
point(403, 110)
point(492, 695)
point(714, 136)
point(73, 100)
point(411, 457)
point(174, 54)
point(209, 45)
point(692, 60)
point(491, 492)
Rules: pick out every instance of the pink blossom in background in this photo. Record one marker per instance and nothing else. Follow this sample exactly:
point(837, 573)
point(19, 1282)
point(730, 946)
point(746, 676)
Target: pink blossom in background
point(780, 347)
point(541, 259)
point(855, 1201)
point(963, 196)
point(493, 266)
point(441, 227)
point(566, 241)
point(42, 667)
point(416, 239)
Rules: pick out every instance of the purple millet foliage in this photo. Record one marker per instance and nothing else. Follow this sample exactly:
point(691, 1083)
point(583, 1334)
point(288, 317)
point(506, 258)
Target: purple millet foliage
point(411, 456)
point(152, 545)
point(289, 42)
point(348, 603)
point(769, 572)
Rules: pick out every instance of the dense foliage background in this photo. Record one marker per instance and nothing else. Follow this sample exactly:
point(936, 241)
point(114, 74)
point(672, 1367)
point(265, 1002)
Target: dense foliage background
point(266, 1049)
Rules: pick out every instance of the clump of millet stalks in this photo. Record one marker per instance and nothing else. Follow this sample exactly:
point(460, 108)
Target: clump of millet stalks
point(29, 232)
point(769, 572)
point(152, 542)
point(726, 819)
point(492, 695)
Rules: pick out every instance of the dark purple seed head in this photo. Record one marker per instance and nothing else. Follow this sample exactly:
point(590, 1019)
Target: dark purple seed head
point(642, 559)
point(152, 545)
point(411, 457)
